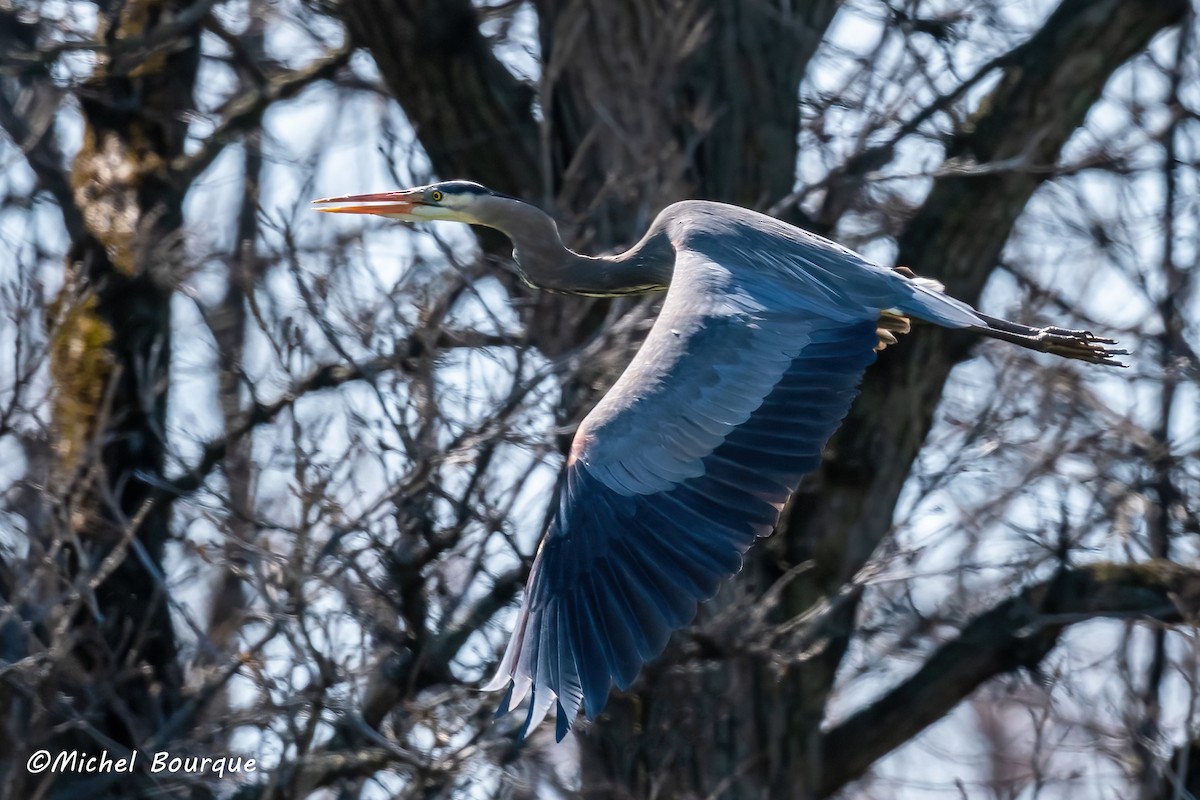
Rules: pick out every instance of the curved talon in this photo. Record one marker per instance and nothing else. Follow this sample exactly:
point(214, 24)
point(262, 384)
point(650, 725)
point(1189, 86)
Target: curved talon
point(1081, 345)
point(1090, 349)
point(1065, 342)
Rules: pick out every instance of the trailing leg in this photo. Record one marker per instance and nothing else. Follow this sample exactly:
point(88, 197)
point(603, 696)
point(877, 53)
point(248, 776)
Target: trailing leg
point(1081, 345)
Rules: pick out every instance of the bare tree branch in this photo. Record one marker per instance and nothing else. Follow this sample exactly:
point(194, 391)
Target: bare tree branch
point(956, 237)
point(28, 105)
point(243, 113)
point(329, 376)
point(460, 98)
point(342, 581)
point(1017, 633)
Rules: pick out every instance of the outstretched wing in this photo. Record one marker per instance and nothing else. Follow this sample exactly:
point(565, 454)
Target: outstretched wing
point(670, 479)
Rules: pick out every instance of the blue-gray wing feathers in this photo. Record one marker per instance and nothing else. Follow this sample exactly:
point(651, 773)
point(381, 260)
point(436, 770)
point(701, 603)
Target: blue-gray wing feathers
point(686, 461)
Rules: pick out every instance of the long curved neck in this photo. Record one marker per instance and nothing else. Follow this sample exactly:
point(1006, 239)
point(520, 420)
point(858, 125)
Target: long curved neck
point(544, 261)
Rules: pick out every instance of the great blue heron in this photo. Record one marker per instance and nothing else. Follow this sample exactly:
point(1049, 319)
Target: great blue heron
point(753, 362)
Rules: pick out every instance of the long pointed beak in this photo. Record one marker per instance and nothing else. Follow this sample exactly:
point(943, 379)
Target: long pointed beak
point(391, 204)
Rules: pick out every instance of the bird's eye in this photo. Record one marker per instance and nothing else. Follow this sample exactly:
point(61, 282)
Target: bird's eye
point(436, 196)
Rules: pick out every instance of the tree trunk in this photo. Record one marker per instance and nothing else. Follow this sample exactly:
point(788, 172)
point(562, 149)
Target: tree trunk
point(110, 355)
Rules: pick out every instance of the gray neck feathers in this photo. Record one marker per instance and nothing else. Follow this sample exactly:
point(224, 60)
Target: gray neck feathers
point(544, 261)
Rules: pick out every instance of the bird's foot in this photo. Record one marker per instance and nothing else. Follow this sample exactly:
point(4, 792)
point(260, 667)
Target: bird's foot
point(889, 327)
point(1081, 345)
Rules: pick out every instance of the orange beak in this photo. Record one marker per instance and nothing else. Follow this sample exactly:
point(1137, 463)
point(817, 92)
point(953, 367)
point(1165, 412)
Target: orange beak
point(388, 204)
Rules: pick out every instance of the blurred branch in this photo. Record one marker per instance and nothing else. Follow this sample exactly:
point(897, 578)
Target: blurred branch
point(464, 104)
point(300, 778)
point(445, 646)
point(1181, 778)
point(957, 237)
point(123, 53)
point(846, 182)
point(329, 376)
point(243, 112)
point(391, 680)
point(1042, 97)
point(28, 105)
point(1019, 632)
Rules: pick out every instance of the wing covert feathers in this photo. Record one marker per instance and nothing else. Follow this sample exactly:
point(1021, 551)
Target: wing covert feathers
point(618, 572)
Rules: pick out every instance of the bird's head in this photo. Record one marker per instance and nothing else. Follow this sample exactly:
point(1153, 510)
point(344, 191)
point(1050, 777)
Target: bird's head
point(539, 256)
point(452, 201)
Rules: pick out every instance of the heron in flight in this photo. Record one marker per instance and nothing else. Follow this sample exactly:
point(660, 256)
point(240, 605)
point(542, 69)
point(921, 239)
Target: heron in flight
point(758, 351)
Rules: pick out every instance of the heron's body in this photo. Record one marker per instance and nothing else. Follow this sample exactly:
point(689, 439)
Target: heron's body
point(751, 365)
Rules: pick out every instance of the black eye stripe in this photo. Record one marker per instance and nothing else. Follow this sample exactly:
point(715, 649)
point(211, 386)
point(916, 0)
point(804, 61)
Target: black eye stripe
point(462, 189)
